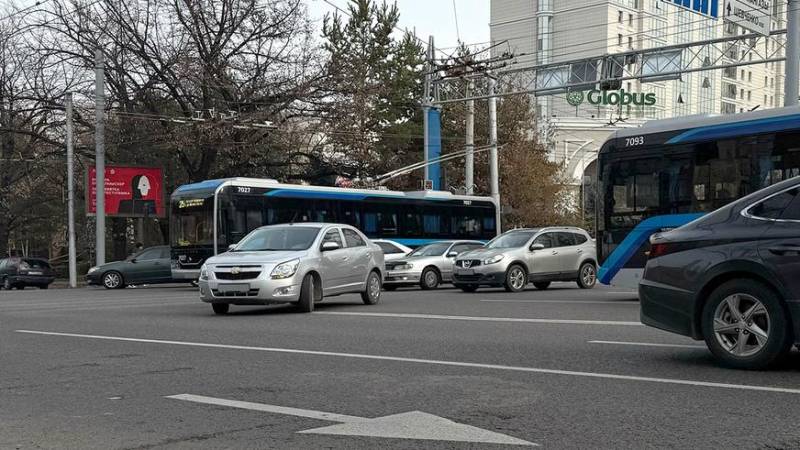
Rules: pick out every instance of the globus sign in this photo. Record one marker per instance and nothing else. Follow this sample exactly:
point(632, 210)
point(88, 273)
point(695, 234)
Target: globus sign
point(129, 192)
point(611, 98)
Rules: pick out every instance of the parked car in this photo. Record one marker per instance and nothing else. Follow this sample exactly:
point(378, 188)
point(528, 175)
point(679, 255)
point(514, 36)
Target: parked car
point(428, 266)
point(293, 263)
point(538, 255)
point(19, 272)
point(150, 266)
point(392, 251)
point(731, 278)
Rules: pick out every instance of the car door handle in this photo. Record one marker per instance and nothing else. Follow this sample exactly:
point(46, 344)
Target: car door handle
point(554, 252)
point(784, 249)
point(345, 258)
point(579, 251)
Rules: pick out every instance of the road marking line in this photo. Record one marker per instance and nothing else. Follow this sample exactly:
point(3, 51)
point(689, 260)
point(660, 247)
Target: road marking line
point(429, 361)
point(479, 319)
point(91, 307)
point(647, 344)
point(311, 414)
point(565, 302)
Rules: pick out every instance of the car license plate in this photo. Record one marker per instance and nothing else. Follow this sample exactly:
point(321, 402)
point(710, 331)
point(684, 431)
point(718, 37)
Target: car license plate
point(234, 288)
point(465, 272)
point(34, 273)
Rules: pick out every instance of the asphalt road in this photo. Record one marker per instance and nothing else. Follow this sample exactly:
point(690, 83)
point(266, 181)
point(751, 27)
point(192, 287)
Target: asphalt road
point(562, 368)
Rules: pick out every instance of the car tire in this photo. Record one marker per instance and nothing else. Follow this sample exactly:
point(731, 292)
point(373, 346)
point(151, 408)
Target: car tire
point(7, 284)
point(587, 275)
point(221, 309)
point(372, 292)
point(389, 287)
point(306, 302)
point(468, 287)
point(541, 285)
point(430, 279)
point(723, 329)
point(516, 278)
point(113, 280)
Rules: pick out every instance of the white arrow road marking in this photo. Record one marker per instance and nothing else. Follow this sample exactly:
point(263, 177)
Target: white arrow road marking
point(410, 425)
point(436, 362)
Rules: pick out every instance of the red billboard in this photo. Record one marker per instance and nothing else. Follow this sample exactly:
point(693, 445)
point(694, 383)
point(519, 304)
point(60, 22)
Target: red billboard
point(130, 192)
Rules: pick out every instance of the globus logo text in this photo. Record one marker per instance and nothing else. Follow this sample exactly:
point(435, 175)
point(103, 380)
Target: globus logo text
point(613, 98)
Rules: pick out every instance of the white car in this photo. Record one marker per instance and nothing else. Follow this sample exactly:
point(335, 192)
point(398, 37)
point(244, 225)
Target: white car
point(392, 251)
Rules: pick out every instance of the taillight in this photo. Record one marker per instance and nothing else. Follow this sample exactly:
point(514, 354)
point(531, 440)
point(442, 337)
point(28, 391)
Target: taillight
point(657, 250)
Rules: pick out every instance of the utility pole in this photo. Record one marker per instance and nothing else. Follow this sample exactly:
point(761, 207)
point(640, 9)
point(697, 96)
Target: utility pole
point(100, 158)
point(792, 79)
point(73, 273)
point(427, 105)
point(469, 166)
point(494, 172)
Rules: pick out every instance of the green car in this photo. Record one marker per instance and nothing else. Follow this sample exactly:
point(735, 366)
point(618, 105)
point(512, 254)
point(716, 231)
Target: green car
point(150, 266)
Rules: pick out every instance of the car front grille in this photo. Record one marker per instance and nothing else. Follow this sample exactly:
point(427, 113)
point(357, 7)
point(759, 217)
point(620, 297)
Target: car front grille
point(467, 277)
point(469, 263)
point(250, 293)
point(237, 276)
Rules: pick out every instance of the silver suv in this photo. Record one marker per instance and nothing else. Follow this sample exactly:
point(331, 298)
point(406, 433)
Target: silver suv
point(428, 266)
point(538, 255)
point(297, 263)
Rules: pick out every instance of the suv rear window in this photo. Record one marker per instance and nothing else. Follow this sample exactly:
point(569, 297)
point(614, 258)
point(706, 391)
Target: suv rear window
point(579, 238)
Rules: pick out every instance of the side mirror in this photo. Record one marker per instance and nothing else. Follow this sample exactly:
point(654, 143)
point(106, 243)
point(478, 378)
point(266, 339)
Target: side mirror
point(535, 247)
point(328, 246)
point(452, 254)
point(231, 247)
point(133, 260)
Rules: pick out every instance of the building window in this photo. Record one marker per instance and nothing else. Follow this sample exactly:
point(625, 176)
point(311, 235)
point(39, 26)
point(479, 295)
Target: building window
point(619, 17)
point(619, 42)
point(749, 77)
point(728, 108)
point(630, 20)
point(749, 95)
point(630, 42)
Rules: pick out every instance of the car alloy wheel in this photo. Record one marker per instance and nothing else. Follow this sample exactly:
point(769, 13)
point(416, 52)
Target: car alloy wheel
point(516, 278)
point(7, 284)
point(430, 279)
point(112, 280)
point(588, 276)
point(741, 325)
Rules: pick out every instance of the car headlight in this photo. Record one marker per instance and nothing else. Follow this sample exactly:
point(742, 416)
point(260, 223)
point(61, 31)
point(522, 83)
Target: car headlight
point(494, 259)
point(92, 269)
point(285, 270)
point(204, 273)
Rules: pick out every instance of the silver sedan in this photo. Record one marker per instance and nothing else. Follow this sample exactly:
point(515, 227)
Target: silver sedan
point(296, 263)
point(427, 266)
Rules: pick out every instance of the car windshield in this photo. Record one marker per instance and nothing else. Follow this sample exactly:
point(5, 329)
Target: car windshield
point(436, 249)
point(515, 239)
point(278, 238)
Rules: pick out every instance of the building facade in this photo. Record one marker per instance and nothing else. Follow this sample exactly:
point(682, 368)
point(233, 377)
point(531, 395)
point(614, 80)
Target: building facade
point(544, 31)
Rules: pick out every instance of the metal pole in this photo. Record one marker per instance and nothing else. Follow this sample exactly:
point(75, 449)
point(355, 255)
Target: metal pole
point(469, 166)
point(494, 173)
point(792, 80)
point(73, 271)
point(427, 105)
point(100, 158)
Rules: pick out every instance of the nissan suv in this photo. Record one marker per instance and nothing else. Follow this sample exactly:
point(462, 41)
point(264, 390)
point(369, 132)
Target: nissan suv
point(538, 255)
point(731, 278)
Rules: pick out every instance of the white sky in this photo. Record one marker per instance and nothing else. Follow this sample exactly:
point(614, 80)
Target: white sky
point(430, 17)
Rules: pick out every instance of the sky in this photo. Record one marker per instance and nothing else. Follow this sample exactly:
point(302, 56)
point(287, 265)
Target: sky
point(430, 17)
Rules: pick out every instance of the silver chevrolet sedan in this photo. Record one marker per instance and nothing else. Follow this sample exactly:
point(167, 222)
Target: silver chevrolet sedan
point(427, 266)
point(293, 263)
